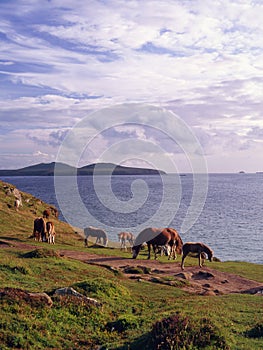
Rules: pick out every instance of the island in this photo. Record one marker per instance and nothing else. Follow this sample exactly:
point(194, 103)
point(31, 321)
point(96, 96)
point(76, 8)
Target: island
point(51, 169)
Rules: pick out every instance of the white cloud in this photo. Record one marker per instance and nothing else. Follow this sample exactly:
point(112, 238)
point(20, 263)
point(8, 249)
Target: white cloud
point(202, 59)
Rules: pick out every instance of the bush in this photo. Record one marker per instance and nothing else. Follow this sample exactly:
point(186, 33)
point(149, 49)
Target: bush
point(256, 331)
point(42, 253)
point(179, 332)
point(123, 324)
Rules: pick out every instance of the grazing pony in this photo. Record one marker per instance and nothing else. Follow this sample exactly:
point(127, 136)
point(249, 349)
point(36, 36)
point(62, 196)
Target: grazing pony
point(200, 249)
point(157, 237)
point(39, 231)
point(125, 236)
point(50, 232)
point(95, 232)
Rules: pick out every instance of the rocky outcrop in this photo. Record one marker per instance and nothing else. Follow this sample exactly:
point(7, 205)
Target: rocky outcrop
point(34, 299)
point(68, 291)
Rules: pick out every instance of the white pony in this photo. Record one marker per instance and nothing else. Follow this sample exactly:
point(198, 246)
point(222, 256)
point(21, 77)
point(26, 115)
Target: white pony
point(50, 232)
point(95, 232)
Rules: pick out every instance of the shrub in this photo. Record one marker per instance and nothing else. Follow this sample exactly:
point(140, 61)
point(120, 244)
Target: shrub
point(256, 331)
point(123, 323)
point(24, 270)
point(41, 253)
point(180, 332)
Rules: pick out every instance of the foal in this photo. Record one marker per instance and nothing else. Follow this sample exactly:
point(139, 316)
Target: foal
point(125, 236)
point(199, 248)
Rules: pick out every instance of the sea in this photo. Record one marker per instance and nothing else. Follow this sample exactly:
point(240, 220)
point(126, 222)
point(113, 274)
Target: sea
point(224, 211)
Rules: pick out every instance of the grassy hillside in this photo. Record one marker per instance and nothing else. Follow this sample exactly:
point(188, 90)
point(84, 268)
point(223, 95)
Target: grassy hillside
point(134, 313)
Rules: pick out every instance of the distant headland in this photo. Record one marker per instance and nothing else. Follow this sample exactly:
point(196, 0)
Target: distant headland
point(49, 169)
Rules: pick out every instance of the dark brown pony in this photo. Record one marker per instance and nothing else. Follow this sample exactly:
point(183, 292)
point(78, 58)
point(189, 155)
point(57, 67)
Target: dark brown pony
point(200, 249)
point(157, 237)
point(39, 231)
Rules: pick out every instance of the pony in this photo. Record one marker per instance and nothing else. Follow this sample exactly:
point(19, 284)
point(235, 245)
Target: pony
point(196, 247)
point(50, 232)
point(157, 237)
point(125, 236)
point(39, 230)
point(175, 245)
point(95, 232)
point(18, 203)
point(46, 214)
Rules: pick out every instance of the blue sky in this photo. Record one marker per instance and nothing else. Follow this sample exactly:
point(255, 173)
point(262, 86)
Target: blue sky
point(63, 60)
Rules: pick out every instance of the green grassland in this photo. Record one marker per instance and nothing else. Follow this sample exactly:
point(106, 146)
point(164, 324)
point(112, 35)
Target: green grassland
point(134, 314)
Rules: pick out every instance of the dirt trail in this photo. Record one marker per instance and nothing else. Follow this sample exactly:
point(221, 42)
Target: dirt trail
point(204, 281)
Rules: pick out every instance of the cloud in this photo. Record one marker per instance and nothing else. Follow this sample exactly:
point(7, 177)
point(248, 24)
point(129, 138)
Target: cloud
point(201, 60)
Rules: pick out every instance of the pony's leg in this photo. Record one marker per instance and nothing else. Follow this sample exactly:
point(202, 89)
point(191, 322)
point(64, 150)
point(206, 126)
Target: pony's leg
point(86, 241)
point(149, 251)
point(182, 263)
point(174, 253)
point(155, 251)
point(200, 262)
point(171, 252)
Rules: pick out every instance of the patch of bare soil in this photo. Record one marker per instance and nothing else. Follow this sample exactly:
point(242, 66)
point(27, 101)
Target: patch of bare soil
point(204, 281)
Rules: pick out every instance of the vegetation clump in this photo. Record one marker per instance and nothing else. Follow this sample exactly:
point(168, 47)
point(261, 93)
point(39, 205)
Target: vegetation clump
point(42, 253)
point(124, 323)
point(138, 270)
point(99, 287)
point(180, 332)
point(256, 331)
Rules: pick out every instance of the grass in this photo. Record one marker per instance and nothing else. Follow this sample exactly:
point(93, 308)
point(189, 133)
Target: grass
point(131, 308)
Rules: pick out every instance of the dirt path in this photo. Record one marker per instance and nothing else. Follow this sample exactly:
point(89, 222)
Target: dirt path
point(204, 281)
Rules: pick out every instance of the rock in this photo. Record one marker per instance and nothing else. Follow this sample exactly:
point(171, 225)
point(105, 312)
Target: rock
point(208, 293)
point(35, 299)
point(184, 275)
point(203, 275)
point(41, 298)
point(68, 291)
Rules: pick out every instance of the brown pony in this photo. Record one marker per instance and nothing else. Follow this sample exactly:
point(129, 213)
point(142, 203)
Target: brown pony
point(157, 237)
point(125, 236)
point(39, 231)
point(200, 249)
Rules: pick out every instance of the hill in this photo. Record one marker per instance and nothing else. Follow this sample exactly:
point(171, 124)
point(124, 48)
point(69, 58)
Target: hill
point(14, 223)
point(48, 169)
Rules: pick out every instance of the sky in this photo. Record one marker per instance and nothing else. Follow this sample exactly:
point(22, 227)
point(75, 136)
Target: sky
point(67, 68)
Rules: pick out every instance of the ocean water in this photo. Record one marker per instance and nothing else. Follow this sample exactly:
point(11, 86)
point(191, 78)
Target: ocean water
point(222, 210)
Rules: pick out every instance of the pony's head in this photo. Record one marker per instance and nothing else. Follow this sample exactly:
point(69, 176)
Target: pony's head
point(179, 249)
point(105, 241)
point(135, 250)
point(210, 254)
